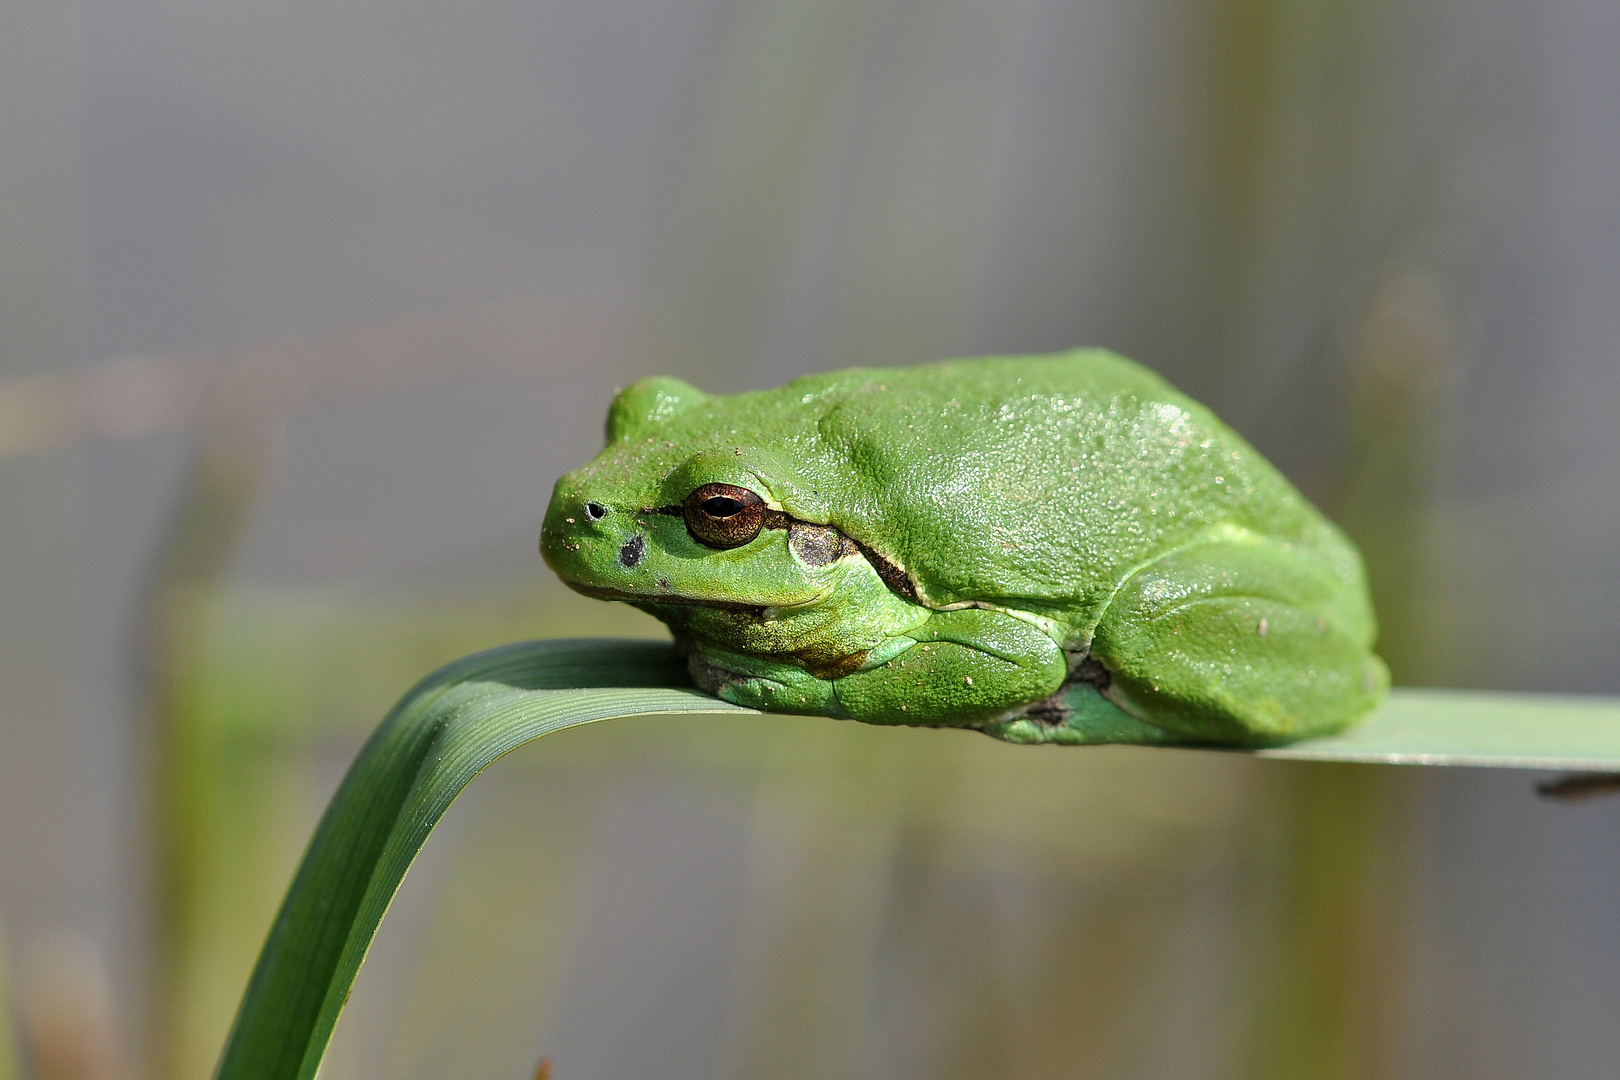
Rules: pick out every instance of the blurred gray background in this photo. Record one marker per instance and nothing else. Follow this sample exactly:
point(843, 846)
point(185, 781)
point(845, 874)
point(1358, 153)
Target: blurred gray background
point(304, 306)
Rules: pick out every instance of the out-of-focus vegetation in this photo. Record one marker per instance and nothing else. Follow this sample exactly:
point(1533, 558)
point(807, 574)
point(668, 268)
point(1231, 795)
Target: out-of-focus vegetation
point(10, 1067)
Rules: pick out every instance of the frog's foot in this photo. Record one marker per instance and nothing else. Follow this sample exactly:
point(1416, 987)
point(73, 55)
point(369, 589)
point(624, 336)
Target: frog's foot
point(1239, 644)
point(1077, 714)
point(756, 683)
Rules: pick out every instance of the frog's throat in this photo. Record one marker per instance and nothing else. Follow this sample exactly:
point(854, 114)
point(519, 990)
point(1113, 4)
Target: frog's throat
point(603, 592)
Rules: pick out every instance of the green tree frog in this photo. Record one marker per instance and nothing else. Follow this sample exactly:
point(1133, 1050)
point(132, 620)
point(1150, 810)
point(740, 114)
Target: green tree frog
point(1052, 549)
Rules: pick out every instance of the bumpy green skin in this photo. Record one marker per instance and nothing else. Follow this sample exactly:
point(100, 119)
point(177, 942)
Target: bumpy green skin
point(1047, 549)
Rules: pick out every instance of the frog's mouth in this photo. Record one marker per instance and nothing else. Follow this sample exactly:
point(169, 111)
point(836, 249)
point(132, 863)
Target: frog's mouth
point(604, 592)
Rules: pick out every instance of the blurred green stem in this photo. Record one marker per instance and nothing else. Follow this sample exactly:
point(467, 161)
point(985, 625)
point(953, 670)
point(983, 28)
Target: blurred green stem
point(190, 787)
point(1398, 374)
point(1326, 965)
point(10, 1060)
point(1321, 988)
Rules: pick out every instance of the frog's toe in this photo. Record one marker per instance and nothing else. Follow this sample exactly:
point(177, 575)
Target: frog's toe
point(768, 695)
point(788, 690)
point(1078, 715)
point(711, 676)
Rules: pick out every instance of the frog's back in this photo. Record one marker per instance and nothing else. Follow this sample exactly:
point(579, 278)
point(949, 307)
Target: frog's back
point(1041, 483)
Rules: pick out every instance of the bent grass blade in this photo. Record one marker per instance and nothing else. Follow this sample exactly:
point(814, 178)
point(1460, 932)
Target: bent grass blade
point(457, 721)
point(447, 730)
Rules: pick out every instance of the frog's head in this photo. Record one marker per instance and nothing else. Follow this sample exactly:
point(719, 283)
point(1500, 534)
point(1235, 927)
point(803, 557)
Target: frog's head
point(690, 505)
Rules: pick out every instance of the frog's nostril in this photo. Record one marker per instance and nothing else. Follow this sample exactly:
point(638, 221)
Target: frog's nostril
point(595, 511)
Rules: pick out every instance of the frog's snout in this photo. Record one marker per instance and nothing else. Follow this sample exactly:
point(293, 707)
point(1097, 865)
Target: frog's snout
point(570, 521)
point(582, 538)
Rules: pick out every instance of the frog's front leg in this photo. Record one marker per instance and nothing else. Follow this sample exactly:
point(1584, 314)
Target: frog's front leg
point(758, 682)
point(959, 669)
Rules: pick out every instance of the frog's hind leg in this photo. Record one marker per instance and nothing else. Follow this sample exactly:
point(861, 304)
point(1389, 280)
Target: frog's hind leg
point(1245, 643)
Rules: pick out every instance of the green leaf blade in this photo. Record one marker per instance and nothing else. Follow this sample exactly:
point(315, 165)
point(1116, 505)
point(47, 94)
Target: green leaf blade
point(1477, 728)
point(456, 722)
point(446, 731)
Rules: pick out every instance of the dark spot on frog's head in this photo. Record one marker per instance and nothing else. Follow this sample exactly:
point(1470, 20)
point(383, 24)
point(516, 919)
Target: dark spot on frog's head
point(630, 555)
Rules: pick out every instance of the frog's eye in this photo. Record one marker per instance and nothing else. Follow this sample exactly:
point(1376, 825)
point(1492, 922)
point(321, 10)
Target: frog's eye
point(724, 515)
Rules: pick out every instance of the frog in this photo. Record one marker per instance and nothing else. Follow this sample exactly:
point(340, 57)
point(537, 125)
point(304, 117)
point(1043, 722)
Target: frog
point(1047, 549)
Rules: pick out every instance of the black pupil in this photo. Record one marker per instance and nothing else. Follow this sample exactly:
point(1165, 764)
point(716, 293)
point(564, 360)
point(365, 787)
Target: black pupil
point(721, 507)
